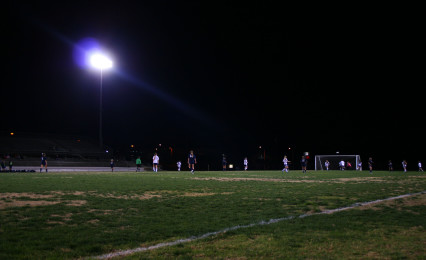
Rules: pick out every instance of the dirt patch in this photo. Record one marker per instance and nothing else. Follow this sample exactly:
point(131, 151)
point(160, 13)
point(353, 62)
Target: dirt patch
point(75, 203)
point(93, 221)
point(145, 196)
point(197, 194)
point(14, 195)
point(360, 179)
point(255, 179)
point(66, 217)
point(419, 200)
point(25, 203)
point(8, 200)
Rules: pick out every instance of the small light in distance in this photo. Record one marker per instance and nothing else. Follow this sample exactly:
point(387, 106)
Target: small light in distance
point(12, 133)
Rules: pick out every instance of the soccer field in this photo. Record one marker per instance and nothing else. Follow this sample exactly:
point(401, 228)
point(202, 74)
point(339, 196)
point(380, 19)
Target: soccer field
point(220, 214)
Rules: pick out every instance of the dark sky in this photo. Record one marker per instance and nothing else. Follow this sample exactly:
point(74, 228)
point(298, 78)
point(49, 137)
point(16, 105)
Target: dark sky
point(223, 75)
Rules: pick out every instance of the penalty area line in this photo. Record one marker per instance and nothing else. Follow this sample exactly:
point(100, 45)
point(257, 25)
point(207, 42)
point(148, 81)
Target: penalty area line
point(260, 223)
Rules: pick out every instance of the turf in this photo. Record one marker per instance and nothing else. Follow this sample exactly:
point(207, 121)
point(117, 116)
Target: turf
point(73, 215)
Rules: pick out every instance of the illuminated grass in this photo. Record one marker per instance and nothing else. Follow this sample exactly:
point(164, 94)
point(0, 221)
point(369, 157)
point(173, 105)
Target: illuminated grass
point(70, 215)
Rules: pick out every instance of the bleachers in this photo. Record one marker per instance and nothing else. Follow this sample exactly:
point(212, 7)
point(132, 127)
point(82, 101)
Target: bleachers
point(28, 146)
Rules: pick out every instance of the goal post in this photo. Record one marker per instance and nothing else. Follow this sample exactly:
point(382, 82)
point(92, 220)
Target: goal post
point(334, 161)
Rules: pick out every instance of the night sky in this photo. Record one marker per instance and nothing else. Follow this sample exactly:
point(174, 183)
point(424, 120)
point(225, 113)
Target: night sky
point(220, 76)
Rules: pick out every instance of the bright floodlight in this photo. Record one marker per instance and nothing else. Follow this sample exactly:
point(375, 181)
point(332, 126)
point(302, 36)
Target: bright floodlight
point(99, 61)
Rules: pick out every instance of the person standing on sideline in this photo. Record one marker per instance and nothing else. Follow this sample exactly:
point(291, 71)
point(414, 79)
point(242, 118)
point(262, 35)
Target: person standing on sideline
point(420, 166)
point(390, 165)
point(111, 164)
point(192, 160)
point(327, 164)
point(370, 164)
point(303, 163)
point(43, 163)
point(245, 164)
point(155, 161)
point(179, 164)
point(3, 166)
point(138, 164)
point(10, 165)
point(223, 162)
point(404, 165)
point(285, 162)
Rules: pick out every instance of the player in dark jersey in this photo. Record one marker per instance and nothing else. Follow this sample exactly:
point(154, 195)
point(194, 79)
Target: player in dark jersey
point(370, 164)
point(192, 160)
point(224, 162)
point(111, 164)
point(303, 163)
point(390, 165)
point(43, 163)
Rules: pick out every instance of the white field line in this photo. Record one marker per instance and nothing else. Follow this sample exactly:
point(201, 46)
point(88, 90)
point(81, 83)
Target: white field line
point(260, 223)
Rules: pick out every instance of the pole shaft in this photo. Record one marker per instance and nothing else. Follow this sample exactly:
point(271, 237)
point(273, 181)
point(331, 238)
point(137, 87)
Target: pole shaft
point(100, 116)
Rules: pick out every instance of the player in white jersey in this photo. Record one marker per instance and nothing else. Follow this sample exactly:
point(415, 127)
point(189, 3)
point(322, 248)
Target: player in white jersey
point(404, 165)
point(179, 164)
point(285, 162)
point(342, 165)
point(360, 166)
point(327, 164)
point(155, 161)
point(420, 166)
point(245, 164)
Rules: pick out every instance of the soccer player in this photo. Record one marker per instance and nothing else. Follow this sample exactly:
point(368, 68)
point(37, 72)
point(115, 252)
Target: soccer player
point(370, 164)
point(360, 166)
point(420, 166)
point(179, 164)
point(327, 164)
point(348, 165)
point(155, 161)
point(342, 165)
point(303, 163)
point(223, 162)
point(138, 164)
point(245, 164)
point(390, 165)
point(111, 164)
point(192, 160)
point(285, 161)
point(404, 165)
point(43, 162)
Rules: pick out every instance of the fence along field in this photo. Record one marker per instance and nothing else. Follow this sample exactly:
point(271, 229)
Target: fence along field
point(72, 215)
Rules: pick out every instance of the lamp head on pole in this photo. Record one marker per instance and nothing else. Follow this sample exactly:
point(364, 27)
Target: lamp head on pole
point(100, 61)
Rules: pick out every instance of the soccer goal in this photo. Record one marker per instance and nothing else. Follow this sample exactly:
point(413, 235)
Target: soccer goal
point(334, 161)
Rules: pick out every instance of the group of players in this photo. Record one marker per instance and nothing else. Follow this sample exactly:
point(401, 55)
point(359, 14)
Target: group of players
point(192, 160)
point(344, 165)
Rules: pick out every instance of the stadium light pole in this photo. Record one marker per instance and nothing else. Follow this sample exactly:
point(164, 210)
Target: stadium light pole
point(101, 62)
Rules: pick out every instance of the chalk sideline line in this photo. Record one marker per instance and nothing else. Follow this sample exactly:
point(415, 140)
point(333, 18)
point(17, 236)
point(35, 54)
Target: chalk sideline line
point(260, 223)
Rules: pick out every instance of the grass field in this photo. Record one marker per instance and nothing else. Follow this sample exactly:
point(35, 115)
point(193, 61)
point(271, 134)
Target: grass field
point(83, 215)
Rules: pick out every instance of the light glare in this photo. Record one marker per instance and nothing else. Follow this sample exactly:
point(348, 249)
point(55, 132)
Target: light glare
point(100, 61)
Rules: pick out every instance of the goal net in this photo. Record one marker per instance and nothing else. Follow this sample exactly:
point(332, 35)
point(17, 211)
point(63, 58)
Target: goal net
point(334, 162)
